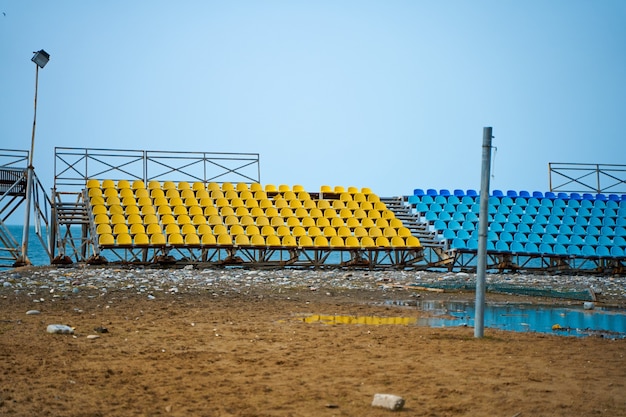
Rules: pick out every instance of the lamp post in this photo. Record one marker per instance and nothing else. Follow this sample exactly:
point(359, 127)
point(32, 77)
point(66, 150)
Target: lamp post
point(40, 58)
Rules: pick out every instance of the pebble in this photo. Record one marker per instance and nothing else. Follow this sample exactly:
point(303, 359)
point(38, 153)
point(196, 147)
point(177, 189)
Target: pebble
point(388, 401)
point(33, 312)
point(93, 336)
point(75, 281)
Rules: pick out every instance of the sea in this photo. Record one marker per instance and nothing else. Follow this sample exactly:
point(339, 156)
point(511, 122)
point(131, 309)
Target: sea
point(36, 252)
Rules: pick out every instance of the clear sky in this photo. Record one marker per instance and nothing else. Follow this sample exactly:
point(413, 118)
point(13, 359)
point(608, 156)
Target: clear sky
point(391, 95)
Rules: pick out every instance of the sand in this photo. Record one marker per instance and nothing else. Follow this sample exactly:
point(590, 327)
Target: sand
point(251, 353)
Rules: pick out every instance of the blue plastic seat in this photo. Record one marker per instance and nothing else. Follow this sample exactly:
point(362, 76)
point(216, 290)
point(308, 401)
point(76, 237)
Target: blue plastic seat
point(573, 204)
point(531, 247)
point(472, 244)
point(440, 225)
point(553, 219)
point(541, 219)
point(494, 201)
point(500, 218)
point(562, 239)
point(528, 219)
point(422, 208)
point(454, 225)
point(524, 194)
point(509, 227)
point(609, 221)
point(601, 197)
point(534, 238)
point(439, 199)
point(614, 197)
point(521, 201)
point(469, 225)
point(413, 200)
point(513, 219)
point(595, 221)
point(462, 208)
point(515, 209)
point(588, 196)
point(591, 240)
point(603, 251)
point(444, 192)
point(620, 221)
point(548, 238)
point(620, 231)
point(612, 204)
point(604, 240)
point(462, 234)
point(581, 221)
point(497, 193)
point(418, 192)
point(506, 201)
point(450, 208)
point(574, 250)
point(559, 249)
point(431, 192)
point(579, 230)
point(458, 216)
point(468, 201)
point(562, 196)
point(431, 216)
point(544, 211)
point(534, 202)
point(557, 211)
point(593, 230)
point(471, 193)
point(471, 216)
point(458, 244)
point(444, 215)
point(531, 210)
point(504, 209)
point(568, 220)
point(545, 248)
point(502, 246)
point(520, 237)
point(576, 240)
point(617, 252)
point(523, 228)
point(448, 234)
point(546, 202)
point(610, 212)
point(619, 241)
point(452, 199)
point(459, 193)
point(511, 193)
point(537, 194)
point(607, 231)
point(588, 204)
point(588, 251)
point(516, 247)
point(575, 196)
point(506, 237)
point(565, 229)
point(428, 199)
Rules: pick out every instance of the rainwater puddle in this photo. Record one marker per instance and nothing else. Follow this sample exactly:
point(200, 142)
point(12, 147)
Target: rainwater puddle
point(559, 320)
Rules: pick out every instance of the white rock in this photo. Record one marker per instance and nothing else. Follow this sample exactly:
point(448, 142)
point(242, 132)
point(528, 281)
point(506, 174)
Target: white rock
point(388, 401)
point(32, 312)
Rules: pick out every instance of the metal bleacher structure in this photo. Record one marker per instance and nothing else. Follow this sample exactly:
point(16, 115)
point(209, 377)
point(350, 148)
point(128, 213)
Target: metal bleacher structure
point(136, 207)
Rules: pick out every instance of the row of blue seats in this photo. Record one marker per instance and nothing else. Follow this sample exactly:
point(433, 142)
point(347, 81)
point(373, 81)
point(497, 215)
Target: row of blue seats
point(492, 236)
point(527, 219)
point(525, 194)
point(440, 226)
point(437, 209)
point(543, 249)
point(517, 201)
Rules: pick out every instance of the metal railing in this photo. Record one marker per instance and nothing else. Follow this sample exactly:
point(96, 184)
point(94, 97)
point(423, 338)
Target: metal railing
point(587, 178)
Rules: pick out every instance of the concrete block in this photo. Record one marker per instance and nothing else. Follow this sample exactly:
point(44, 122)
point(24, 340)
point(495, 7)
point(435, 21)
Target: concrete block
point(388, 401)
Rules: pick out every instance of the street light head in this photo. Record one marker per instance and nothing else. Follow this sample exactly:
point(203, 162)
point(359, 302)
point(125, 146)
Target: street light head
point(41, 58)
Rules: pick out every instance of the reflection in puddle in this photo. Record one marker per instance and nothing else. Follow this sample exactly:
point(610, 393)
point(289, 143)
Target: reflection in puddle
point(561, 320)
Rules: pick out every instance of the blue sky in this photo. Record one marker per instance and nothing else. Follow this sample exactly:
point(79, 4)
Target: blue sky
point(390, 95)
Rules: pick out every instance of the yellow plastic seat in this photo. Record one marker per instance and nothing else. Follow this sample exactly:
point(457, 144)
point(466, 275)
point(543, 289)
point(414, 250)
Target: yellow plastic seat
point(289, 241)
point(169, 185)
point(321, 241)
point(141, 239)
point(281, 203)
point(213, 186)
point(373, 214)
point(167, 219)
point(246, 220)
point(138, 185)
point(316, 213)
point(323, 204)
point(157, 193)
point(220, 229)
point(388, 214)
point(251, 203)
point(366, 205)
point(116, 209)
point(395, 223)
point(150, 219)
point(270, 188)
point(352, 242)
point(211, 211)
point(153, 228)
point(330, 231)
point(345, 213)
point(221, 202)
point(242, 240)
point(322, 222)
point(99, 209)
point(126, 193)
point(282, 188)
point(257, 240)
point(134, 219)
point(359, 214)
point(367, 242)
point(172, 228)
point(192, 239)
point(375, 232)
point(295, 204)
point(95, 192)
point(236, 229)
point(272, 240)
point(326, 189)
point(382, 241)
point(352, 205)
point(353, 222)
point(336, 242)
point(228, 186)
point(190, 201)
point(175, 239)
point(200, 194)
point(183, 219)
point(382, 223)
point(277, 221)
point(261, 195)
point(118, 218)
point(271, 212)
point(367, 223)
point(338, 204)
point(123, 239)
point(283, 231)
point(345, 196)
point(262, 221)
point(203, 229)
point(153, 185)
point(307, 222)
point(373, 198)
point(104, 229)
point(293, 221)
point(102, 219)
point(298, 231)
point(130, 205)
point(242, 211)
point(359, 197)
point(412, 242)
point(196, 211)
point(309, 204)
point(255, 186)
point(305, 241)
point(144, 202)
point(252, 229)
point(232, 219)
point(343, 231)
point(314, 231)
point(268, 231)
point(93, 183)
point(187, 229)
point(147, 210)
point(380, 206)
point(163, 210)
point(94, 201)
point(113, 201)
point(301, 213)
point(198, 186)
point(137, 228)
point(157, 239)
point(403, 232)
point(108, 184)
point(360, 231)
point(330, 213)
point(208, 239)
point(106, 239)
point(227, 211)
point(183, 185)
point(397, 241)
point(337, 222)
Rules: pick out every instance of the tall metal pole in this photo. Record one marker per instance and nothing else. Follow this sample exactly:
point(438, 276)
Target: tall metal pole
point(29, 181)
point(483, 222)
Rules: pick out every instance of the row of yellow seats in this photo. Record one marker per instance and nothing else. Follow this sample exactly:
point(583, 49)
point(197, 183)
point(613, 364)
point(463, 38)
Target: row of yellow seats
point(226, 186)
point(288, 241)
